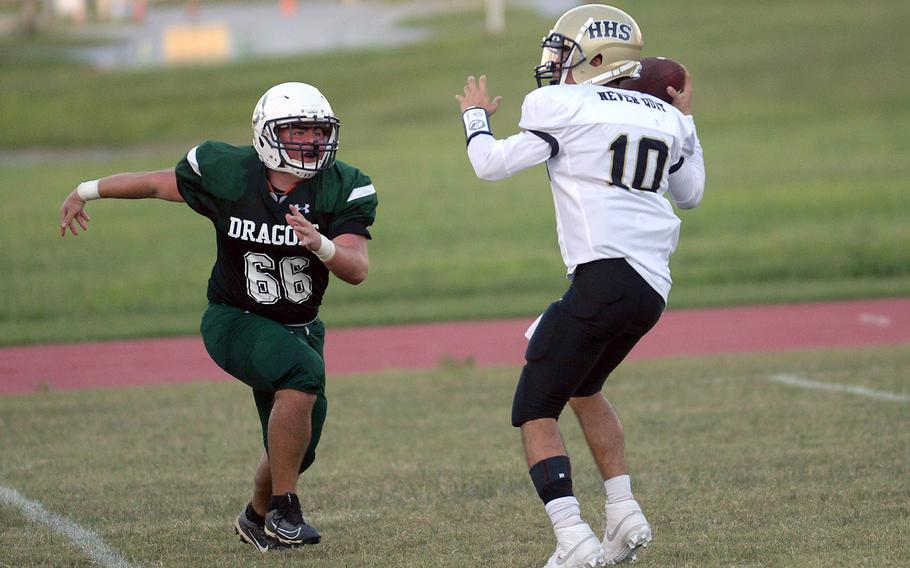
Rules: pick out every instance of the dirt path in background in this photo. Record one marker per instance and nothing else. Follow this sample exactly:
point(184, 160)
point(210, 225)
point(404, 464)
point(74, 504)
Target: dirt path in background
point(680, 333)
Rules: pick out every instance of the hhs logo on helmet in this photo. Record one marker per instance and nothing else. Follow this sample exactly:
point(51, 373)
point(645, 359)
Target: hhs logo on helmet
point(601, 29)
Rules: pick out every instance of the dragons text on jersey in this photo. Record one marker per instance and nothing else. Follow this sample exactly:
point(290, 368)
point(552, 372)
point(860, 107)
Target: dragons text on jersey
point(260, 265)
point(247, 230)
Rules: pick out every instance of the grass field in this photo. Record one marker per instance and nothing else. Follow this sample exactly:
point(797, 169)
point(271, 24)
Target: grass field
point(423, 469)
point(803, 113)
point(801, 108)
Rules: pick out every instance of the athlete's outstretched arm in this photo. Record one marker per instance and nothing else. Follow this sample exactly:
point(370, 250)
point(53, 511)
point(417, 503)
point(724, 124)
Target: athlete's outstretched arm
point(161, 185)
point(346, 255)
point(494, 159)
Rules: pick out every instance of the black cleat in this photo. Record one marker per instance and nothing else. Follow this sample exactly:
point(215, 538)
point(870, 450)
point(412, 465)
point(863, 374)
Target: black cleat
point(286, 525)
point(253, 534)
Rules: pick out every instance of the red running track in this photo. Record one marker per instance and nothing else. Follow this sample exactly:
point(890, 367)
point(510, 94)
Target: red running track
point(680, 333)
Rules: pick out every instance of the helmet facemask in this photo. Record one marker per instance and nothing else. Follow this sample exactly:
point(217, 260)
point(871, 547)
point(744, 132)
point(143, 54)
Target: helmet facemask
point(558, 51)
point(314, 156)
point(284, 106)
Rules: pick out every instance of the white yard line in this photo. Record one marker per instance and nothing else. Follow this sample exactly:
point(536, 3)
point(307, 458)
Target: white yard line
point(85, 539)
point(797, 381)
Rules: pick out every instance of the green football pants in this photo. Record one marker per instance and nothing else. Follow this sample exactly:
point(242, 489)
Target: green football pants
point(269, 356)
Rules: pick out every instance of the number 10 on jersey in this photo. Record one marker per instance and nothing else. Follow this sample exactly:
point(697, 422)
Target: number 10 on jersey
point(650, 162)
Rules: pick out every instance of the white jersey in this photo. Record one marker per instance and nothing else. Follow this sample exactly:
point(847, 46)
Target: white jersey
point(612, 154)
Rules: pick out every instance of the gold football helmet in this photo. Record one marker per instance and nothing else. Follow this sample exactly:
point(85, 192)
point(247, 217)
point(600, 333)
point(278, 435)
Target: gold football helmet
point(583, 33)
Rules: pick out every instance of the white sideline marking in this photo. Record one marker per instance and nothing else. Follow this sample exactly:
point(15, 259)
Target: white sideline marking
point(876, 320)
point(87, 540)
point(796, 381)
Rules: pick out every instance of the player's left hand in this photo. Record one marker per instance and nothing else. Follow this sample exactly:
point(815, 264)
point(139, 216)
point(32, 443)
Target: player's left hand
point(307, 234)
point(72, 211)
point(682, 99)
point(475, 95)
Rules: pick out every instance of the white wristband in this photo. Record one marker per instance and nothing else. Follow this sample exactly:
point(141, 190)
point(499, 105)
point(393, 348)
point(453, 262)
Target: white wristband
point(88, 190)
point(326, 249)
point(476, 121)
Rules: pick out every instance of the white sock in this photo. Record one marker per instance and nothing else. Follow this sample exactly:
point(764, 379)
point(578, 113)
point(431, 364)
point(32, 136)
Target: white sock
point(618, 489)
point(564, 512)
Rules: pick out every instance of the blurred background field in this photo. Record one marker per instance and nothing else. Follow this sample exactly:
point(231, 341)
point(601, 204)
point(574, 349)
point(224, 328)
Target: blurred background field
point(801, 108)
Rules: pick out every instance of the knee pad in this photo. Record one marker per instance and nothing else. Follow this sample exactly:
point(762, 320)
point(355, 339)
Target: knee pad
point(531, 402)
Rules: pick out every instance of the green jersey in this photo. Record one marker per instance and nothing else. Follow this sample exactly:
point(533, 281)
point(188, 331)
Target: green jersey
point(260, 266)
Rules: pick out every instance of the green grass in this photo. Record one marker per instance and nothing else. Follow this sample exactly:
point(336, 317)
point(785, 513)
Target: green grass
point(423, 469)
point(801, 109)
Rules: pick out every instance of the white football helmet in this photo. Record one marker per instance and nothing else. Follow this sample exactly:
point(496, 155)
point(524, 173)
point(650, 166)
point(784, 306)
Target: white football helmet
point(583, 33)
point(294, 103)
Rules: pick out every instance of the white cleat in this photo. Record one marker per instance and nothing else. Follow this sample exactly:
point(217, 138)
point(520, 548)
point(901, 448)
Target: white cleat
point(577, 547)
point(626, 532)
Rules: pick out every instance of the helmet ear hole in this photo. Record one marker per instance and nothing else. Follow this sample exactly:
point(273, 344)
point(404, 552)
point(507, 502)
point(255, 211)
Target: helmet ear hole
point(597, 60)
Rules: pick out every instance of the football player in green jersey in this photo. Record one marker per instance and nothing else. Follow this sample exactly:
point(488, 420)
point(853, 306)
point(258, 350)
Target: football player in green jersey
point(285, 214)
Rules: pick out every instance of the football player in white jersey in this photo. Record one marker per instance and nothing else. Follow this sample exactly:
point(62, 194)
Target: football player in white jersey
point(612, 156)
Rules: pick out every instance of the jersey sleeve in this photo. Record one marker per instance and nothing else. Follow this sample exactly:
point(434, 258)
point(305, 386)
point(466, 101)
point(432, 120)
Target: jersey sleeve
point(543, 112)
point(689, 135)
point(687, 175)
point(358, 211)
point(209, 174)
point(494, 159)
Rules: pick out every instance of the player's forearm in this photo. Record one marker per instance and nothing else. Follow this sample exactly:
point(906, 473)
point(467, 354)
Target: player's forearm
point(687, 184)
point(349, 264)
point(161, 185)
point(487, 159)
point(494, 159)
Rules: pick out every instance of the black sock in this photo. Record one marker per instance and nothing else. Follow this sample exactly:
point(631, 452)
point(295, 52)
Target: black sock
point(253, 516)
point(285, 500)
point(552, 478)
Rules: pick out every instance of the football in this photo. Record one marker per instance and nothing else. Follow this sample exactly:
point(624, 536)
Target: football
point(657, 73)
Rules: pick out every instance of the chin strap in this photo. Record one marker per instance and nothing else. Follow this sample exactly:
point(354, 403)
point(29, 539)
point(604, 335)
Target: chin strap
point(610, 76)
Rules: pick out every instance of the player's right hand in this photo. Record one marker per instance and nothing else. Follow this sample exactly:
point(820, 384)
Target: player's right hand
point(307, 234)
point(476, 95)
point(71, 212)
